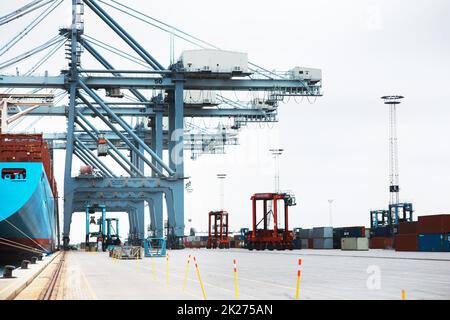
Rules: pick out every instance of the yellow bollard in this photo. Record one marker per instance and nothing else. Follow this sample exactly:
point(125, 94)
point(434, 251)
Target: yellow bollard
point(167, 270)
point(236, 289)
point(200, 279)
point(403, 295)
point(298, 279)
point(186, 273)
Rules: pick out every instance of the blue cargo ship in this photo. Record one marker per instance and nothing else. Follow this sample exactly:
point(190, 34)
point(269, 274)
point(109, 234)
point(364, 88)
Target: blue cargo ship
point(28, 198)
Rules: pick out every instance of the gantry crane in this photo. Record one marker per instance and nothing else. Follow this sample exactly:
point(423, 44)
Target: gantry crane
point(147, 175)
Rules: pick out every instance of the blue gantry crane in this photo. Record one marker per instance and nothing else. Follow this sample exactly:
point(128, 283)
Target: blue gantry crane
point(195, 86)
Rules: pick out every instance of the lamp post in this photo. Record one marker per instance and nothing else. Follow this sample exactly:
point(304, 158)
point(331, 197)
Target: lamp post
point(276, 155)
point(189, 190)
point(221, 177)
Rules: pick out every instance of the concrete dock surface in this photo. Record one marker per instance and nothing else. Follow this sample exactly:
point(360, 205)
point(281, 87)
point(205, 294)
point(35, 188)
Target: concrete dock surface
point(325, 274)
point(23, 278)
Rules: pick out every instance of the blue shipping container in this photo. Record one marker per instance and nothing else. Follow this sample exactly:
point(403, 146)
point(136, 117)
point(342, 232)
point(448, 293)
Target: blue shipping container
point(384, 231)
point(297, 243)
point(431, 242)
point(446, 244)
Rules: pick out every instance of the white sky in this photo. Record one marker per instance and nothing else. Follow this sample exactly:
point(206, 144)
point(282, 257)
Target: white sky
point(336, 148)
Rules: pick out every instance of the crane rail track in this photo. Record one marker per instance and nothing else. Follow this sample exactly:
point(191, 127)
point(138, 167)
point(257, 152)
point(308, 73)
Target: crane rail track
point(49, 292)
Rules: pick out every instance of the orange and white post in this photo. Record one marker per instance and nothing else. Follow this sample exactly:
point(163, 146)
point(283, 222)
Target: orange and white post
point(236, 288)
point(297, 288)
point(186, 273)
point(200, 278)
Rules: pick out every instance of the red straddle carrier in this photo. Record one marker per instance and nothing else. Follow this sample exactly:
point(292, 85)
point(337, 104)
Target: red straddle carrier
point(218, 230)
point(276, 238)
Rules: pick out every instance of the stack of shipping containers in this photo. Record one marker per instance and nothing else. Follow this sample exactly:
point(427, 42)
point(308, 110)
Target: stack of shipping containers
point(434, 233)
point(323, 238)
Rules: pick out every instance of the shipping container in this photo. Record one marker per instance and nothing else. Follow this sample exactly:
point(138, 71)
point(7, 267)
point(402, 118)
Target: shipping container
point(337, 236)
point(431, 242)
point(297, 243)
point(381, 243)
point(355, 244)
point(322, 232)
point(381, 232)
point(446, 242)
point(304, 243)
point(353, 232)
point(408, 227)
point(304, 234)
point(347, 232)
point(323, 243)
point(434, 224)
point(336, 243)
point(406, 242)
point(310, 243)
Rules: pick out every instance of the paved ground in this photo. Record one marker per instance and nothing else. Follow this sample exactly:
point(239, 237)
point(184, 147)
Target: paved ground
point(326, 274)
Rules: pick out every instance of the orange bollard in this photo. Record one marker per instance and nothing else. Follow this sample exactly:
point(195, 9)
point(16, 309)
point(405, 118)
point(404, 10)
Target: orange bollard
point(403, 295)
point(298, 279)
point(236, 288)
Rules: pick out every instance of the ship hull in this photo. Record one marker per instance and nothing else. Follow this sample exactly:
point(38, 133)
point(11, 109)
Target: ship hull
point(28, 212)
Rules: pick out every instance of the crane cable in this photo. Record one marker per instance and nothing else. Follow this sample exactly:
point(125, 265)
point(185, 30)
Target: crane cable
point(53, 41)
point(21, 12)
point(29, 27)
point(177, 35)
point(116, 51)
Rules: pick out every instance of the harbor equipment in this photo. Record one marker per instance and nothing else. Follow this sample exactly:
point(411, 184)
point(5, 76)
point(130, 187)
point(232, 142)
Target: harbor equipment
point(154, 247)
point(112, 235)
point(218, 230)
point(90, 217)
point(126, 252)
point(301, 73)
point(243, 236)
point(385, 223)
point(100, 98)
point(102, 146)
point(276, 238)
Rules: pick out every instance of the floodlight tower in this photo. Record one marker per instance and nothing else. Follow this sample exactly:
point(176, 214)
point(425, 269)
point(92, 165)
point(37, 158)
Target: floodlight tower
point(276, 155)
point(221, 177)
point(394, 188)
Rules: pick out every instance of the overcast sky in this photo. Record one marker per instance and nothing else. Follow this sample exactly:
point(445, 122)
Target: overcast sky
point(335, 148)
